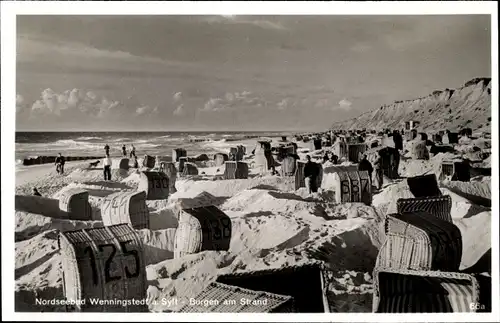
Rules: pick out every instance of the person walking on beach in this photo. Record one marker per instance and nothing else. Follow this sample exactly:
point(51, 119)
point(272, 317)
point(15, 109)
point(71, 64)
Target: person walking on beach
point(132, 152)
point(379, 171)
point(310, 175)
point(59, 164)
point(134, 159)
point(395, 163)
point(365, 165)
point(124, 151)
point(106, 149)
point(398, 140)
point(107, 168)
point(35, 192)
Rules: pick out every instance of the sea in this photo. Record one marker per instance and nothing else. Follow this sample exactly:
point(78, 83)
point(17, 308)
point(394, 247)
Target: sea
point(33, 144)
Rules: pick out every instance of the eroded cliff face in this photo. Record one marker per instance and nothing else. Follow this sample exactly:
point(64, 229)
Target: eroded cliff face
point(468, 106)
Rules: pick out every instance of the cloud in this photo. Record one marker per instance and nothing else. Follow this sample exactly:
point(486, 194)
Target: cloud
point(80, 105)
point(283, 104)
point(146, 110)
point(345, 104)
point(179, 111)
point(177, 96)
point(234, 101)
point(214, 104)
point(232, 19)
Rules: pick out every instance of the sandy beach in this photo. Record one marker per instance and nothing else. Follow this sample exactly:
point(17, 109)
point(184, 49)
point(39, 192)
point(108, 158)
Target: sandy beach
point(281, 161)
point(273, 226)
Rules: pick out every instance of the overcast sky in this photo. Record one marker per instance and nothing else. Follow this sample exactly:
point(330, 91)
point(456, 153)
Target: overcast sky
point(235, 72)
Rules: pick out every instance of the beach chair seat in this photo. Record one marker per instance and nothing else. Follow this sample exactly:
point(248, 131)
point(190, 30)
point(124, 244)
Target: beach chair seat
point(307, 284)
point(177, 153)
point(439, 206)
point(189, 169)
point(220, 159)
point(424, 185)
point(355, 151)
point(420, 241)
point(148, 161)
point(288, 166)
point(417, 291)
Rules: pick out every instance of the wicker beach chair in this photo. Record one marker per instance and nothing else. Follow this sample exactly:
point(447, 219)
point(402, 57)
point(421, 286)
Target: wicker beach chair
point(105, 264)
point(235, 170)
point(420, 241)
point(437, 138)
point(299, 175)
point(202, 228)
point(230, 170)
point(450, 138)
point(416, 291)
point(148, 161)
point(306, 284)
point(177, 153)
point(220, 159)
point(355, 150)
point(222, 298)
point(352, 187)
point(288, 166)
point(439, 206)
point(189, 170)
point(424, 185)
point(125, 207)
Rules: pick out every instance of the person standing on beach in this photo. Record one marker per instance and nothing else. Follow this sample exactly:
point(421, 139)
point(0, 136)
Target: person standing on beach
point(124, 151)
point(107, 168)
point(132, 152)
point(398, 140)
point(310, 175)
point(106, 149)
point(379, 171)
point(59, 164)
point(365, 165)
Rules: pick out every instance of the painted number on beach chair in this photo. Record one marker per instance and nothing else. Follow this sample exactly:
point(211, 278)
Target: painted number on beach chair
point(226, 228)
point(355, 191)
point(216, 231)
point(107, 272)
point(161, 183)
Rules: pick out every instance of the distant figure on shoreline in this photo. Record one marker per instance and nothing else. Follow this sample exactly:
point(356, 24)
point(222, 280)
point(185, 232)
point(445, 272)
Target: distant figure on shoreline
point(59, 164)
point(136, 163)
point(107, 168)
point(132, 152)
point(124, 151)
point(106, 149)
point(35, 192)
point(310, 175)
